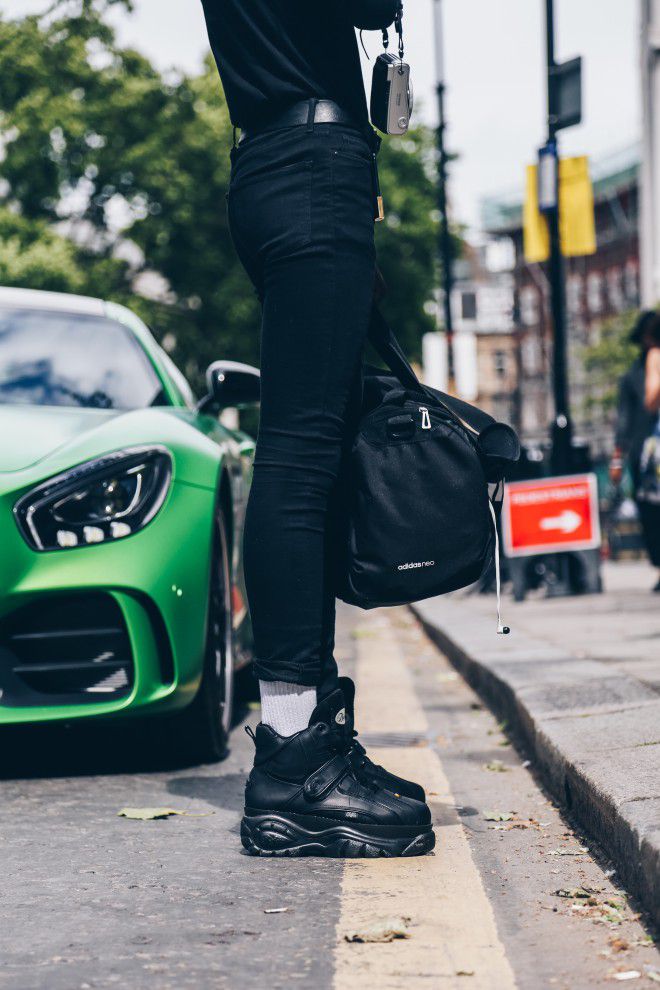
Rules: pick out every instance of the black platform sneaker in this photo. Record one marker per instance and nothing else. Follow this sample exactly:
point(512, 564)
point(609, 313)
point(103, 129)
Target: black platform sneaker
point(303, 798)
point(356, 754)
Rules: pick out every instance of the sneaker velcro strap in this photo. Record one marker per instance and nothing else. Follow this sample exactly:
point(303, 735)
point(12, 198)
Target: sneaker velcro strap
point(324, 779)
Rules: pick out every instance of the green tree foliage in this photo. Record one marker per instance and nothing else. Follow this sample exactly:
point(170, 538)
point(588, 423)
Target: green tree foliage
point(606, 361)
point(406, 240)
point(34, 256)
point(100, 150)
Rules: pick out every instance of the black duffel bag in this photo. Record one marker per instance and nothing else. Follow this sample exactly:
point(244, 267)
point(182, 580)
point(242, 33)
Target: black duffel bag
point(422, 477)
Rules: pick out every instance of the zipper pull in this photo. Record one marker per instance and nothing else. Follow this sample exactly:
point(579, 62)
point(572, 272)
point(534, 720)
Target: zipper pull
point(426, 419)
point(378, 198)
point(501, 628)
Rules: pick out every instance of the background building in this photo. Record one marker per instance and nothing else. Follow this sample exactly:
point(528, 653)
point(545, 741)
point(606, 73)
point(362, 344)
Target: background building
point(485, 359)
point(598, 286)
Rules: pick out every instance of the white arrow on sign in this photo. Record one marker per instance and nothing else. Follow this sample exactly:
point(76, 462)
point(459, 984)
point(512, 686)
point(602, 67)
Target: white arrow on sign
point(567, 522)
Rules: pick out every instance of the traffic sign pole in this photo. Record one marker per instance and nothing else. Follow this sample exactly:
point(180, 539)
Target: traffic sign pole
point(562, 430)
point(445, 247)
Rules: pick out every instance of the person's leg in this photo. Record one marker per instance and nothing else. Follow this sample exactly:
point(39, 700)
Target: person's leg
point(309, 229)
point(649, 516)
point(317, 262)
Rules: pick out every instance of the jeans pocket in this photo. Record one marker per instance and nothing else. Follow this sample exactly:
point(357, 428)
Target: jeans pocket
point(353, 198)
point(354, 154)
point(270, 210)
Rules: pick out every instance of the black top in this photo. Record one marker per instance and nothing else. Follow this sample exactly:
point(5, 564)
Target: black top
point(274, 53)
point(634, 423)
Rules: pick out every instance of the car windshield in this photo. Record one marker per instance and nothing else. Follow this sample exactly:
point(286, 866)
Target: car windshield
point(50, 358)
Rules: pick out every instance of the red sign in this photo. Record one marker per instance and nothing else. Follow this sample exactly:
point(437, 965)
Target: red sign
point(551, 514)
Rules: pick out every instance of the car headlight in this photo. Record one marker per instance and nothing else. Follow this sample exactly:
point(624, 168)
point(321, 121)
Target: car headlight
point(101, 501)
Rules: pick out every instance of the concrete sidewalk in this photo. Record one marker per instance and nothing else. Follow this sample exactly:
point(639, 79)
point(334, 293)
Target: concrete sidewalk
point(579, 678)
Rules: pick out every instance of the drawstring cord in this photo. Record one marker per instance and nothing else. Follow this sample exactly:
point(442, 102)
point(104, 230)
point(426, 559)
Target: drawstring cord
point(502, 630)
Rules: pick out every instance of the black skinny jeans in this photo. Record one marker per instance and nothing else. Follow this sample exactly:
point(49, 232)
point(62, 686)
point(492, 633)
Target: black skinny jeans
point(301, 217)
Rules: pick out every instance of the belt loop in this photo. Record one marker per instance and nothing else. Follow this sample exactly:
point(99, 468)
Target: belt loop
point(311, 113)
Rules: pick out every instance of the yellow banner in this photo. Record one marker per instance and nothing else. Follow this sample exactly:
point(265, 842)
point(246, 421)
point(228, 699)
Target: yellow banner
point(576, 213)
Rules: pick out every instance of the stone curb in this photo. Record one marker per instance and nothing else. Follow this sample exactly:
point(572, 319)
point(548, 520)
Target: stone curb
point(594, 732)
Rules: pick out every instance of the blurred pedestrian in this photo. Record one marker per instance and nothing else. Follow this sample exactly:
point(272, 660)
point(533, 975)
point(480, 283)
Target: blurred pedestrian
point(302, 201)
point(637, 422)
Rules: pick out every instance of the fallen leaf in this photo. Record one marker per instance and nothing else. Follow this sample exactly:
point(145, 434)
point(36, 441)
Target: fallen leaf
point(275, 910)
point(628, 974)
point(381, 931)
point(152, 814)
point(498, 816)
point(618, 944)
point(526, 763)
point(568, 852)
point(574, 892)
point(496, 766)
point(653, 974)
point(464, 972)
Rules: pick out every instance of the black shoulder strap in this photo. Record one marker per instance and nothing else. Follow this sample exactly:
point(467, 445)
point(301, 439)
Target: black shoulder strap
point(389, 349)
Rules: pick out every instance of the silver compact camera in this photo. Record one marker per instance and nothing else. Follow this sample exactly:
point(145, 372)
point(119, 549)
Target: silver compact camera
point(391, 94)
point(391, 86)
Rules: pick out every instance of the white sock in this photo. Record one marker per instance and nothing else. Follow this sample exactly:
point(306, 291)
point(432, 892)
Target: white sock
point(287, 708)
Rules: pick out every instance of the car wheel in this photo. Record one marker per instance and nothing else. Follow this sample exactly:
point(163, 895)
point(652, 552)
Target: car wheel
point(204, 725)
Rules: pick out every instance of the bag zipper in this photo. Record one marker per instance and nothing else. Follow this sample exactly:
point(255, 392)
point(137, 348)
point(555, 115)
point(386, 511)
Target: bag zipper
point(426, 419)
point(467, 426)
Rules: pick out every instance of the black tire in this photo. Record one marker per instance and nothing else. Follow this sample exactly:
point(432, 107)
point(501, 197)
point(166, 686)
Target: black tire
point(202, 729)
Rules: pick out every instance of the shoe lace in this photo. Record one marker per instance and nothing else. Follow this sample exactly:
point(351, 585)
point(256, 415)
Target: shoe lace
point(360, 762)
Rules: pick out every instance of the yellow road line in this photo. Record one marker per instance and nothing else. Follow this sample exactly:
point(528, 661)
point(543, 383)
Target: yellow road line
point(452, 927)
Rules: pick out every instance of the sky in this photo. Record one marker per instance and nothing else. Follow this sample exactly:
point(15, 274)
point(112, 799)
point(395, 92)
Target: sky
point(494, 55)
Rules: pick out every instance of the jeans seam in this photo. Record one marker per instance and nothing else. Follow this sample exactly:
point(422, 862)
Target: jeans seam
point(333, 327)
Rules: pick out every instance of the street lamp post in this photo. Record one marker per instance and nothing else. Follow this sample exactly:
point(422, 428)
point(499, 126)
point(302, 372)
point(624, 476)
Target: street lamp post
point(445, 244)
point(649, 214)
point(561, 428)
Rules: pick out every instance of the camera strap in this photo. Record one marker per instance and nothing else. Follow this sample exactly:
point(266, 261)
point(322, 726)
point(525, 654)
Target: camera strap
point(398, 27)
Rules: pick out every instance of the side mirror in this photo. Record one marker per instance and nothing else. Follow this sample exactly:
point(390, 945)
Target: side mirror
point(231, 383)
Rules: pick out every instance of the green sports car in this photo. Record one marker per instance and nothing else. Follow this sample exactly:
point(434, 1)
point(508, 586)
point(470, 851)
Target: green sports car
point(121, 513)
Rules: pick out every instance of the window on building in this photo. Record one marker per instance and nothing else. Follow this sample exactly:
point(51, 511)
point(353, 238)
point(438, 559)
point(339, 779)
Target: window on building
point(500, 363)
point(574, 295)
point(529, 306)
point(531, 354)
point(615, 289)
point(595, 292)
point(469, 305)
point(631, 283)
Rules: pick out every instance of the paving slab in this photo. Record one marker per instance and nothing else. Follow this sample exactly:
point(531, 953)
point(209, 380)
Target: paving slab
point(592, 725)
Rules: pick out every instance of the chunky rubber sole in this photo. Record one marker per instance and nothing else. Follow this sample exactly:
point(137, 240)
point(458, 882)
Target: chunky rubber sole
point(277, 835)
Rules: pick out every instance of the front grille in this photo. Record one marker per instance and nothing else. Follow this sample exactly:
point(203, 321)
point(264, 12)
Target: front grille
point(65, 650)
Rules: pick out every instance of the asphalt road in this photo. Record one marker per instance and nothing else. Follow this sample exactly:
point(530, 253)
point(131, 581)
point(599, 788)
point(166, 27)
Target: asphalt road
point(92, 900)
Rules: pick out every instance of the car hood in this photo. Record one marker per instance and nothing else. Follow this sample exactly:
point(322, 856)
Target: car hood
point(28, 434)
